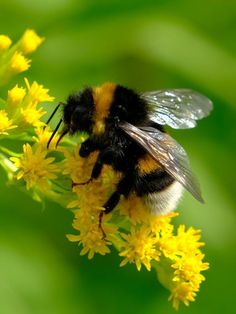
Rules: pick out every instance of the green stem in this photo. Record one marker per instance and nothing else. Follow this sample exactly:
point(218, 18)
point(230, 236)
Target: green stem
point(9, 152)
point(8, 166)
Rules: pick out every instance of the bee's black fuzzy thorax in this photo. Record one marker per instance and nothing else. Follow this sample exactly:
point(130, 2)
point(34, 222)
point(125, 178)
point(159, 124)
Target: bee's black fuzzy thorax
point(128, 106)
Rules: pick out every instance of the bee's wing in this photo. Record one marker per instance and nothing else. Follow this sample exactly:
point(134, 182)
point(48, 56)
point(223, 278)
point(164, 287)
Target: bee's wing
point(178, 108)
point(168, 153)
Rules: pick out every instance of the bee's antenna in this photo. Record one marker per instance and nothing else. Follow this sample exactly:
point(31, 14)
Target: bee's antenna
point(53, 134)
point(61, 136)
point(53, 113)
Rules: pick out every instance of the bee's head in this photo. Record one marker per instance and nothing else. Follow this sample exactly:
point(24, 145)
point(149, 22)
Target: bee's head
point(77, 113)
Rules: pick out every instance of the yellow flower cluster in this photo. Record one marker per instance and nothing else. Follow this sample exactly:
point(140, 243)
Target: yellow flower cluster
point(87, 217)
point(21, 111)
point(62, 175)
point(35, 168)
point(21, 107)
point(12, 58)
point(182, 252)
point(141, 238)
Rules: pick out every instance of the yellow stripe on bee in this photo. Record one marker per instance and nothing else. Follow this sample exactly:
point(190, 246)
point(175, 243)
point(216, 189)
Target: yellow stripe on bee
point(147, 164)
point(103, 97)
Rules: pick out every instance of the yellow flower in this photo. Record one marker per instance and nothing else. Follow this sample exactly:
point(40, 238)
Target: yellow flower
point(188, 240)
point(30, 41)
point(79, 169)
point(184, 293)
point(37, 93)
point(90, 198)
point(5, 42)
point(188, 268)
point(135, 209)
point(43, 135)
point(19, 63)
point(91, 235)
point(35, 168)
point(182, 253)
point(140, 248)
point(15, 96)
point(5, 123)
point(161, 225)
point(32, 116)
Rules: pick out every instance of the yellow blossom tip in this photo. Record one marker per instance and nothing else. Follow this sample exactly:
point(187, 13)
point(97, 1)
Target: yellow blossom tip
point(5, 42)
point(19, 63)
point(5, 123)
point(37, 92)
point(16, 95)
point(30, 41)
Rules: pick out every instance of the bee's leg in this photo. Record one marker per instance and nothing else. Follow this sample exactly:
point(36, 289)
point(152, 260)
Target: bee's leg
point(86, 148)
point(97, 168)
point(109, 206)
point(123, 188)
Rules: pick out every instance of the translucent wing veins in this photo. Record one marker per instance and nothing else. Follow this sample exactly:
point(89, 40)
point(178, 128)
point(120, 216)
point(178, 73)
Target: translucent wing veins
point(168, 153)
point(178, 108)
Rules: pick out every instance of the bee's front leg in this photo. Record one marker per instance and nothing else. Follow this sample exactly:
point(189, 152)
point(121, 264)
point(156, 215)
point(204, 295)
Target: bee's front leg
point(97, 168)
point(86, 148)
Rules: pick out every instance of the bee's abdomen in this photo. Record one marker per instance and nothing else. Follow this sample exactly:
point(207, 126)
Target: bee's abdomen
point(161, 192)
point(151, 182)
point(165, 200)
point(147, 164)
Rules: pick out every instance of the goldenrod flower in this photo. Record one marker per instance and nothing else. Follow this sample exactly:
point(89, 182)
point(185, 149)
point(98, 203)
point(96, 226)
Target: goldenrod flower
point(5, 42)
point(5, 123)
point(140, 248)
point(19, 63)
point(182, 292)
point(29, 100)
point(37, 93)
point(182, 252)
point(13, 61)
point(43, 135)
point(79, 169)
point(32, 116)
point(134, 209)
point(91, 235)
point(35, 168)
point(30, 41)
point(15, 96)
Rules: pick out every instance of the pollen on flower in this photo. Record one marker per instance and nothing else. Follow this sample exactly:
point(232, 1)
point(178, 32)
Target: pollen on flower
point(35, 168)
point(15, 96)
point(19, 63)
point(5, 123)
point(30, 41)
point(140, 247)
point(5, 42)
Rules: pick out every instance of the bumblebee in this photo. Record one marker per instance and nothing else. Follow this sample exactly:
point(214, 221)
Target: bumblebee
point(127, 128)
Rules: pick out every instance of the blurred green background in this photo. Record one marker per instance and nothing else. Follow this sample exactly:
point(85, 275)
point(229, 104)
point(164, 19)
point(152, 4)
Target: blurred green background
point(145, 45)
